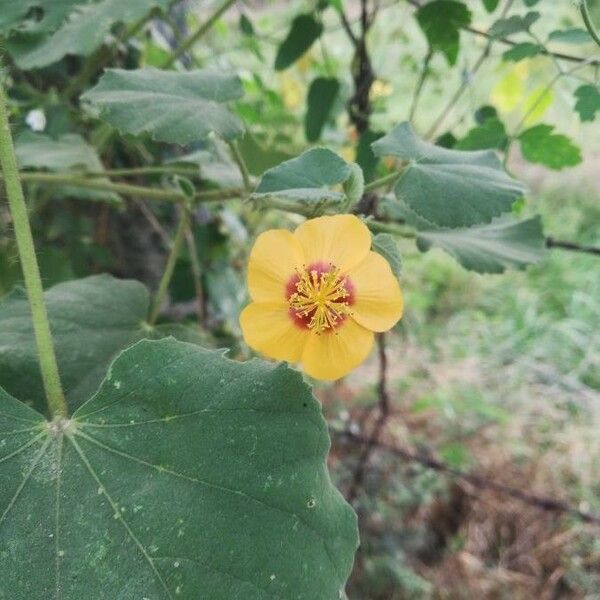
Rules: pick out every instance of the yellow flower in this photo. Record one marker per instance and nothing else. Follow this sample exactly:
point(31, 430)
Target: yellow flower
point(318, 294)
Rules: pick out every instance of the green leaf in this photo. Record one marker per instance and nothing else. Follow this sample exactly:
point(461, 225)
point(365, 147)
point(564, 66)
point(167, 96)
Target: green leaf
point(246, 26)
point(553, 150)
point(322, 94)
point(441, 21)
point(449, 188)
point(304, 31)
point(14, 15)
point(588, 101)
point(491, 5)
point(92, 319)
point(259, 158)
point(67, 153)
point(306, 178)
point(493, 248)
point(187, 475)
point(572, 35)
point(521, 51)
point(84, 30)
point(170, 106)
point(513, 24)
point(490, 134)
point(386, 245)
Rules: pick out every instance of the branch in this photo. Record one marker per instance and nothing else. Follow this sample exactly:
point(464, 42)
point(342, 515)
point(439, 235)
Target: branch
point(126, 189)
point(506, 41)
point(573, 246)
point(383, 405)
point(544, 503)
point(347, 28)
point(169, 267)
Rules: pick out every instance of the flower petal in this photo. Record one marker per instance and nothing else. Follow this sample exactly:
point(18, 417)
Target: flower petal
point(343, 240)
point(332, 355)
point(268, 329)
point(275, 256)
point(378, 302)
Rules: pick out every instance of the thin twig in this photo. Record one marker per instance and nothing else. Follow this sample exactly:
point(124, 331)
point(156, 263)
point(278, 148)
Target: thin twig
point(545, 503)
point(466, 80)
point(383, 407)
point(573, 246)
point(189, 42)
point(419, 87)
point(196, 273)
point(169, 267)
point(241, 163)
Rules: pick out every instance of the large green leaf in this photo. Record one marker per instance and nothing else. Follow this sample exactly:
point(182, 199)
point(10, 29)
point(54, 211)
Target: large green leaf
point(92, 319)
point(441, 21)
point(449, 188)
point(493, 248)
point(588, 101)
point(170, 106)
point(85, 28)
point(322, 94)
point(540, 145)
point(187, 475)
point(306, 178)
point(304, 31)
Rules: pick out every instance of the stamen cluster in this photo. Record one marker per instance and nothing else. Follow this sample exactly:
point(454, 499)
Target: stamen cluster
point(321, 298)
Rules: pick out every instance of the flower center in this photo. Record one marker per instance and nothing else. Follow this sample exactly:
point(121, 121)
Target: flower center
point(319, 297)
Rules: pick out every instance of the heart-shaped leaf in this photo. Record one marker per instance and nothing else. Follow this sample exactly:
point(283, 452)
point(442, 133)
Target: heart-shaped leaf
point(186, 475)
point(307, 178)
point(449, 188)
point(170, 106)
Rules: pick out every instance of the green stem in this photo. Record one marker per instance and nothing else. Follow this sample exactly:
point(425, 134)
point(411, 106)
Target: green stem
point(393, 228)
point(239, 159)
point(587, 20)
point(192, 39)
point(133, 171)
point(169, 268)
point(127, 189)
point(31, 273)
point(382, 181)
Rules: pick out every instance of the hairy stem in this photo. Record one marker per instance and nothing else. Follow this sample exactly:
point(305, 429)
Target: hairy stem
point(382, 181)
point(239, 159)
point(169, 268)
point(57, 404)
point(148, 193)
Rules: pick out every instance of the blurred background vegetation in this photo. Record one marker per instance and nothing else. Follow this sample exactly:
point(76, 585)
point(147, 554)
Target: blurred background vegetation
point(495, 374)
